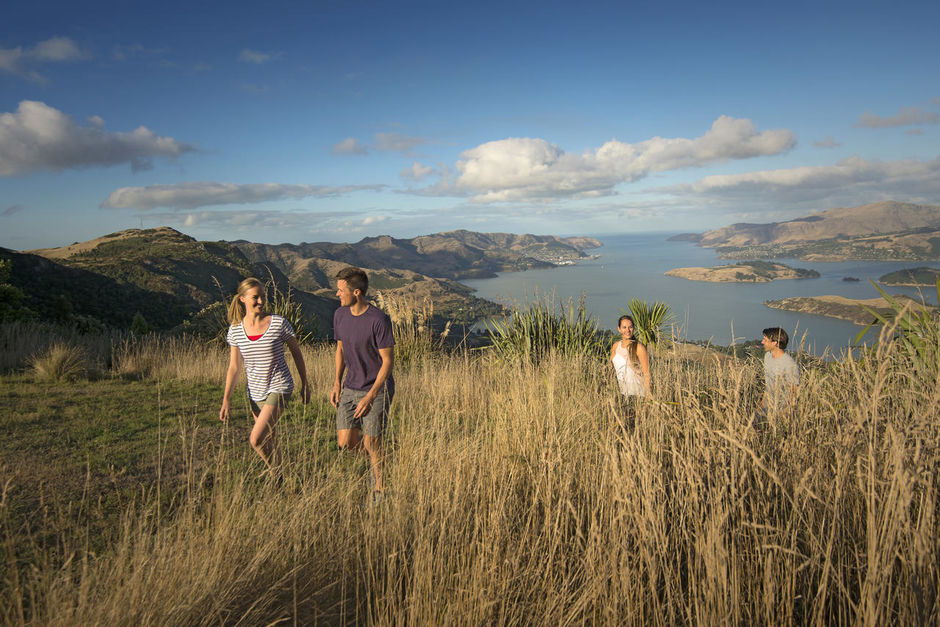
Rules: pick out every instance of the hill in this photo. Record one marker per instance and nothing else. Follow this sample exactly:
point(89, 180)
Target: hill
point(914, 277)
point(428, 266)
point(840, 307)
point(168, 276)
point(884, 231)
point(451, 255)
point(163, 274)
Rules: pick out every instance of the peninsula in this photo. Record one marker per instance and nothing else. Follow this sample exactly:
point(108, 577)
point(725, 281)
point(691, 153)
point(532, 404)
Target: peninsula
point(887, 231)
point(912, 277)
point(840, 307)
point(744, 272)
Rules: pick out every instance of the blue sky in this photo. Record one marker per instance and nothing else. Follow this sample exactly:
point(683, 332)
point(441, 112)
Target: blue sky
point(289, 121)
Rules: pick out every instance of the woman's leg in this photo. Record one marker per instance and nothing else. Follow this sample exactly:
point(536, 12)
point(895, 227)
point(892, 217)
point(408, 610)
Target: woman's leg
point(263, 436)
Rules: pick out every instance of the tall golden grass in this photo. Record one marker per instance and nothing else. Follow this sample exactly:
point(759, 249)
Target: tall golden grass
point(532, 494)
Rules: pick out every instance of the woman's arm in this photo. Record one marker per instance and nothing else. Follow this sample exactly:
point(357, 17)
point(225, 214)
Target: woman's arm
point(230, 376)
point(644, 357)
point(294, 348)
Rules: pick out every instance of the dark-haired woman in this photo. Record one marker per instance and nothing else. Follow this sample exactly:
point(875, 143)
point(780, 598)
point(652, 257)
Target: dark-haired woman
point(631, 361)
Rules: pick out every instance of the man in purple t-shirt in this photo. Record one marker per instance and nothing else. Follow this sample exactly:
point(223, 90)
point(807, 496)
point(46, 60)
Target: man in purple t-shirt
point(365, 353)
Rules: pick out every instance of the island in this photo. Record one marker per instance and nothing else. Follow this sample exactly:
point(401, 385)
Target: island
point(744, 272)
point(912, 277)
point(852, 310)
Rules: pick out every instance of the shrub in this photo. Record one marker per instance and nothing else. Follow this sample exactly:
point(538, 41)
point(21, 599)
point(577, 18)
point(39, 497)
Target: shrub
point(916, 329)
point(412, 325)
point(60, 362)
point(531, 332)
point(649, 320)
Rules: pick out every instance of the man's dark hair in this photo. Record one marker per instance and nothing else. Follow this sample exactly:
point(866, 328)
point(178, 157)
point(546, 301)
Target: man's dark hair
point(778, 335)
point(355, 277)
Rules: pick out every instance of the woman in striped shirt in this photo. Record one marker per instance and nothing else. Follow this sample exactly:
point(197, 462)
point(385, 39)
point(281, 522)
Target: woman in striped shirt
point(257, 339)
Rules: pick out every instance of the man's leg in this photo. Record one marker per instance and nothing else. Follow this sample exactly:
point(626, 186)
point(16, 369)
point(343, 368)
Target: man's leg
point(373, 446)
point(373, 426)
point(348, 428)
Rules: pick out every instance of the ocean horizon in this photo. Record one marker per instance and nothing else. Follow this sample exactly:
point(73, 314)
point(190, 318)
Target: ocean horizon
point(633, 266)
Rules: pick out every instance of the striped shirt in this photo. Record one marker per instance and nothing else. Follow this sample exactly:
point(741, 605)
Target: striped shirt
point(264, 358)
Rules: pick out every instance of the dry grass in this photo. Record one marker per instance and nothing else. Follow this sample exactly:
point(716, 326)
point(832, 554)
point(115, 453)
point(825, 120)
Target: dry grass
point(532, 494)
point(60, 362)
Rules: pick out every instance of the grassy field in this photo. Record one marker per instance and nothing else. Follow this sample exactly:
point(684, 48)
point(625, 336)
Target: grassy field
point(519, 493)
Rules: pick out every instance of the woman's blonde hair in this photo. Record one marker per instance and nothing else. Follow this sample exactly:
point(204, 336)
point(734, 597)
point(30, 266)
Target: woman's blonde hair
point(236, 309)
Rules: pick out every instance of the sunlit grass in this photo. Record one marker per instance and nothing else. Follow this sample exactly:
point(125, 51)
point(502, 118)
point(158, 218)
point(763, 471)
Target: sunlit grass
point(523, 493)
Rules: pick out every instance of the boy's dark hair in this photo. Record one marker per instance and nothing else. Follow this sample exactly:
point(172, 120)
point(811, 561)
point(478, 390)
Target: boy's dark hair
point(355, 277)
point(778, 335)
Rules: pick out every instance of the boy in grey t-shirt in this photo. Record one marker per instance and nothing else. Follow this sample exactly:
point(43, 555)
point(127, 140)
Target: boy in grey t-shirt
point(781, 374)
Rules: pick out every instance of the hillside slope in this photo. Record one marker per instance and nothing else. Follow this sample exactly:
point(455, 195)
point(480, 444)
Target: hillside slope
point(162, 273)
point(884, 230)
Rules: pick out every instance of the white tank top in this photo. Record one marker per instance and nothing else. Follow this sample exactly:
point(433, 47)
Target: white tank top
point(631, 381)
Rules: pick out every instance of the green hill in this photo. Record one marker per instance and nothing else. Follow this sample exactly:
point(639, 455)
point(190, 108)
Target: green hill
point(163, 274)
point(911, 276)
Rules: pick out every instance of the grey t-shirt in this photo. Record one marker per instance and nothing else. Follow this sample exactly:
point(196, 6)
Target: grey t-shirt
point(780, 375)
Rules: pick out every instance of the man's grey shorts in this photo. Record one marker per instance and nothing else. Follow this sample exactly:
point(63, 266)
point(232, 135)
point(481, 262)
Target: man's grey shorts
point(374, 422)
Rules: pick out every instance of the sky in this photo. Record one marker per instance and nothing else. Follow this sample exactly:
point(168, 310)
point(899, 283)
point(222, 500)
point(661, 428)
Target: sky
point(333, 121)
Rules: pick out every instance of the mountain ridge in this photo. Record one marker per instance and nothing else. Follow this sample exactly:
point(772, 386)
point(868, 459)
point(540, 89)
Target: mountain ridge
point(887, 230)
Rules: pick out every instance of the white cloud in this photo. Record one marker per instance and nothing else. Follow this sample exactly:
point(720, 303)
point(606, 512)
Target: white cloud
point(906, 116)
point(530, 168)
point(396, 142)
point(39, 137)
point(350, 146)
point(20, 60)
point(374, 220)
point(257, 57)
point(206, 193)
point(852, 180)
point(827, 142)
point(58, 49)
point(417, 172)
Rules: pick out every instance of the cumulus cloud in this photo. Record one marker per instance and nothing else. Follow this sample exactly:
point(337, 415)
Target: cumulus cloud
point(396, 142)
point(906, 116)
point(417, 172)
point(531, 168)
point(207, 193)
point(827, 142)
point(256, 57)
point(350, 146)
point(850, 180)
point(39, 137)
point(21, 60)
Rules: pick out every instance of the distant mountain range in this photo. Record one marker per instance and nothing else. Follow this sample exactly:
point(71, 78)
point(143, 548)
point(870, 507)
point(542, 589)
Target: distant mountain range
point(168, 277)
point(884, 231)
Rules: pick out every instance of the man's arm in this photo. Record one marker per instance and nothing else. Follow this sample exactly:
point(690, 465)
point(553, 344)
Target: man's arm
point(340, 366)
point(388, 362)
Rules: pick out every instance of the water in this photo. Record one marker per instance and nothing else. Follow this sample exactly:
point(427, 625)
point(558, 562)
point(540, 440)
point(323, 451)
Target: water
point(632, 266)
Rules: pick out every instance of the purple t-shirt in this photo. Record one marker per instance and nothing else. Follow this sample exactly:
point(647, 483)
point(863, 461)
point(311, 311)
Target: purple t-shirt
point(362, 337)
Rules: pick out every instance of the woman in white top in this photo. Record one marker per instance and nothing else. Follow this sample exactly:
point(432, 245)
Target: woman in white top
point(257, 339)
point(631, 361)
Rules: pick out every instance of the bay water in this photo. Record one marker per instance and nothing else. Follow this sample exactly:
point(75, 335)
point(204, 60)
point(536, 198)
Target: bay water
point(633, 266)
